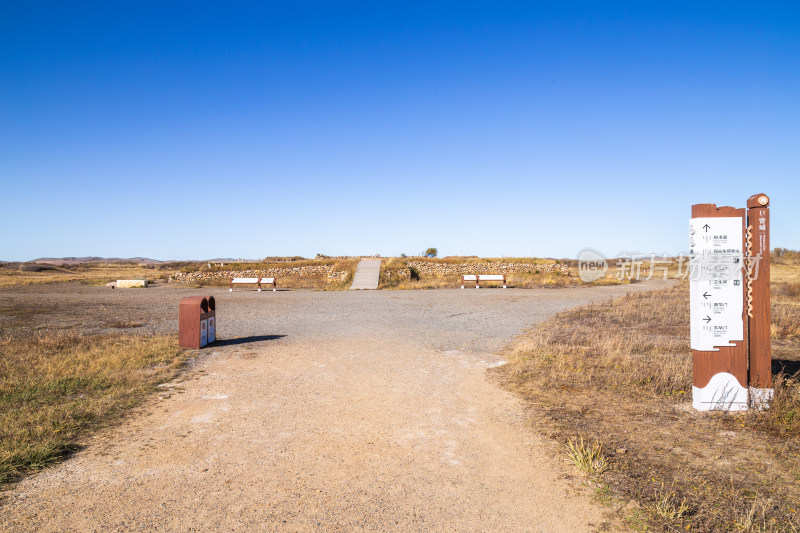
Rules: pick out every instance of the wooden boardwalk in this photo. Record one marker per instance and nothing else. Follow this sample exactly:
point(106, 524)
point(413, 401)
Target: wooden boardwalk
point(367, 275)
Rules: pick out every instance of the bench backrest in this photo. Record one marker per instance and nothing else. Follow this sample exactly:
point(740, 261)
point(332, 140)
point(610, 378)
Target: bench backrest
point(244, 280)
point(470, 277)
point(267, 280)
point(491, 277)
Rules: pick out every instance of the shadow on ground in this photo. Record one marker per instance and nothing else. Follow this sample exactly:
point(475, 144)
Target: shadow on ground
point(247, 340)
point(789, 367)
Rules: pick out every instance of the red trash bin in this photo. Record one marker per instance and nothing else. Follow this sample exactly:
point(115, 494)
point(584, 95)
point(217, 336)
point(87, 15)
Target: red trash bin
point(195, 315)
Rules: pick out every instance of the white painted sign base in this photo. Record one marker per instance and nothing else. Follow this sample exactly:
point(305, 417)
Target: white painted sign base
point(761, 398)
point(723, 393)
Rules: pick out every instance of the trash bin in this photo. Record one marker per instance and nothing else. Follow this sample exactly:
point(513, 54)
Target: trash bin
point(195, 315)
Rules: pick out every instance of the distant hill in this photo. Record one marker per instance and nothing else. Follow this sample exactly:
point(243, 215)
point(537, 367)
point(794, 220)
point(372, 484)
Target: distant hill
point(79, 260)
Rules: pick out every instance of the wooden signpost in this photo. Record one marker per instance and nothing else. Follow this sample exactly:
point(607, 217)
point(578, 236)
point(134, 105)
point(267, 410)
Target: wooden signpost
point(729, 294)
point(758, 301)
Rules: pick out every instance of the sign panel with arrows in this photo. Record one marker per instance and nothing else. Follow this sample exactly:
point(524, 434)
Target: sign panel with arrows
point(716, 282)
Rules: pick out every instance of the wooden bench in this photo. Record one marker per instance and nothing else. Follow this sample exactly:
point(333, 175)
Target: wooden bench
point(477, 278)
point(490, 277)
point(254, 281)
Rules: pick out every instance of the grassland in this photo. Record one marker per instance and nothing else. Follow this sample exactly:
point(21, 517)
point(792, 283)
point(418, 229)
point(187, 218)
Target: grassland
point(396, 273)
point(612, 382)
point(101, 273)
point(54, 387)
point(617, 378)
point(90, 273)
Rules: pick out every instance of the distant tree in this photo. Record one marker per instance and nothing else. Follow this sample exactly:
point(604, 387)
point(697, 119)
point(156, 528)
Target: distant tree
point(431, 252)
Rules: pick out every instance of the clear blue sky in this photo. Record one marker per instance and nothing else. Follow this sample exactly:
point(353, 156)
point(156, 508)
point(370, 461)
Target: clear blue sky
point(197, 130)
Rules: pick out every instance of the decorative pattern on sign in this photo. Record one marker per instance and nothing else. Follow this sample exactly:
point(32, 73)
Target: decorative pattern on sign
point(749, 271)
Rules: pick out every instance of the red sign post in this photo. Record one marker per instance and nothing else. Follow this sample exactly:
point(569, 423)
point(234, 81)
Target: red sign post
point(758, 301)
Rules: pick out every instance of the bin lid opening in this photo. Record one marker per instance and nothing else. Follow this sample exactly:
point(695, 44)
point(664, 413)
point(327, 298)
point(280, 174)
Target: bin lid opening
point(201, 301)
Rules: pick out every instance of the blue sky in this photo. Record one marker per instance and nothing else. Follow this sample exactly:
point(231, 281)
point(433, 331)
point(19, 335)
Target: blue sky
point(197, 130)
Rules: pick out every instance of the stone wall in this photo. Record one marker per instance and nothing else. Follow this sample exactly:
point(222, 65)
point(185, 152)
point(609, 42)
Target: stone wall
point(429, 267)
point(424, 268)
point(315, 270)
point(131, 283)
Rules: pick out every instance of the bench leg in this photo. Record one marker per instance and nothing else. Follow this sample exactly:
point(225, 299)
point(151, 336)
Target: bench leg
point(477, 286)
point(259, 289)
point(274, 290)
point(230, 290)
point(504, 286)
point(462, 286)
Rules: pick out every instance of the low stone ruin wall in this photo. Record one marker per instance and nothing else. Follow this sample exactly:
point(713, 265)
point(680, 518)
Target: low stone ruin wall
point(320, 270)
point(443, 269)
point(427, 267)
point(424, 268)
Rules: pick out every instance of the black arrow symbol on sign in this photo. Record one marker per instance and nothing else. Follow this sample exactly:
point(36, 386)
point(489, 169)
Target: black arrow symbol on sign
point(706, 295)
point(707, 319)
point(706, 227)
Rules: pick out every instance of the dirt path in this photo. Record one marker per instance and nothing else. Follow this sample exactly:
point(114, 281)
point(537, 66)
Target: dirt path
point(341, 411)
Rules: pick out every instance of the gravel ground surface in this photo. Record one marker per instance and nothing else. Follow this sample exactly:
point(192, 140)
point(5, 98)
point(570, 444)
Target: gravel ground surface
point(316, 411)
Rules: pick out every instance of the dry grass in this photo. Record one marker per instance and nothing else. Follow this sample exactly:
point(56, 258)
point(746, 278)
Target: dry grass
point(620, 373)
point(786, 310)
point(634, 342)
point(55, 387)
point(101, 273)
point(755, 519)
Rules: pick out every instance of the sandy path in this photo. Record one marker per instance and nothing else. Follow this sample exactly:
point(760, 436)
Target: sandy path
point(377, 416)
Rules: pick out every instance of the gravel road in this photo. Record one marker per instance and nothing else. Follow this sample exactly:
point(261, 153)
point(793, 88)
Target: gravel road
point(316, 411)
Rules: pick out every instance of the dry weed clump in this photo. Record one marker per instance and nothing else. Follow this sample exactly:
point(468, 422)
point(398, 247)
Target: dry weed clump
point(587, 457)
point(786, 310)
point(53, 387)
point(789, 290)
point(783, 416)
point(754, 520)
point(668, 506)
